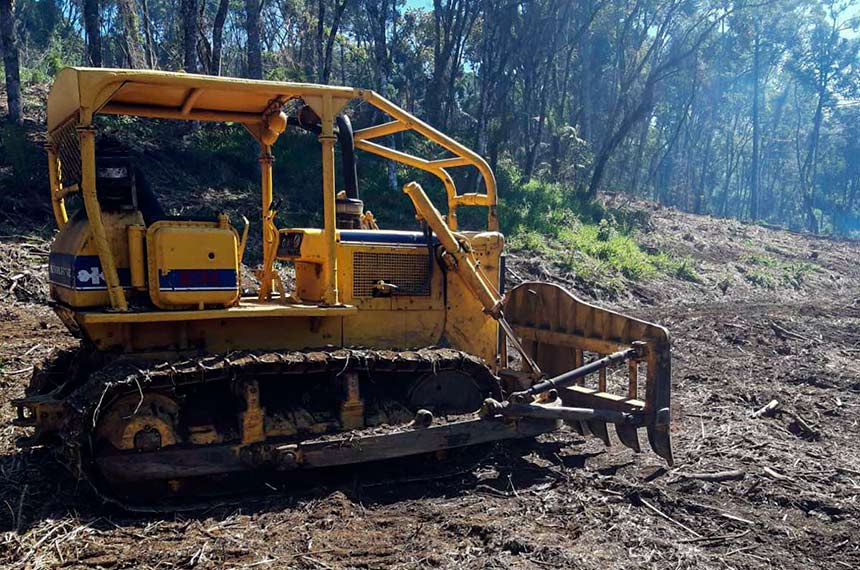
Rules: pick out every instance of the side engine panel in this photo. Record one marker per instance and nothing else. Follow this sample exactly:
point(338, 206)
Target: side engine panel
point(74, 271)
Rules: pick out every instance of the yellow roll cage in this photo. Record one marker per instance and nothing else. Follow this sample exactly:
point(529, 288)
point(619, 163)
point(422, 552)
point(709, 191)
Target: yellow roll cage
point(79, 94)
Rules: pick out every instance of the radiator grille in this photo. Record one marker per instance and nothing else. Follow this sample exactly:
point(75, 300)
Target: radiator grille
point(68, 148)
point(411, 273)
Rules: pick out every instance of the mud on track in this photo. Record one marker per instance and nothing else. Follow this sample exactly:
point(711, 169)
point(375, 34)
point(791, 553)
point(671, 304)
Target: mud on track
point(793, 500)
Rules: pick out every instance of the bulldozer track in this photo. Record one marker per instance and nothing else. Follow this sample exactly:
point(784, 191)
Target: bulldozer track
point(95, 385)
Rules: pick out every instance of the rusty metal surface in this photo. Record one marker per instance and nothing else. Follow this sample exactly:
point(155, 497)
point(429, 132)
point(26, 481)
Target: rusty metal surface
point(557, 329)
point(82, 409)
point(319, 452)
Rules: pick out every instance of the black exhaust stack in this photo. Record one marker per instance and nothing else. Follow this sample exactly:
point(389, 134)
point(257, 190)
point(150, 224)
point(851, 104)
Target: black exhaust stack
point(349, 209)
point(347, 155)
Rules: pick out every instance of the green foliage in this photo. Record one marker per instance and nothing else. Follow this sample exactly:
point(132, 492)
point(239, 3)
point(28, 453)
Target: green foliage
point(760, 259)
point(548, 208)
point(795, 274)
point(685, 271)
point(585, 237)
point(760, 278)
point(770, 272)
point(535, 206)
point(530, 241)
point(610, 250)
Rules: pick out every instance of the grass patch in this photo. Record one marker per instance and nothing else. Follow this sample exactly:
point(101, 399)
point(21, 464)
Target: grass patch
point(602, 255)
point(598, 247)
point(685, 271)
point(760, 260)
point(530, 241)
point(760, 278)
point(795, 274)
point(769, 272)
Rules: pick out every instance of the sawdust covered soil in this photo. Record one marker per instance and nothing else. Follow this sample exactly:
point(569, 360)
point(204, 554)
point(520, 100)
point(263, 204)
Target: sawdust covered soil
point(787, 493)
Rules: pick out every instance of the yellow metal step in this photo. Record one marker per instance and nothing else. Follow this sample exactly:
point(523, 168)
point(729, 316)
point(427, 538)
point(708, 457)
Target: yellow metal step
point(247, 309)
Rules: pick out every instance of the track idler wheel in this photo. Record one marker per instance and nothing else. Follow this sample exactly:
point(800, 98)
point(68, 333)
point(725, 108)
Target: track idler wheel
point(140, 422)
point(449, 392)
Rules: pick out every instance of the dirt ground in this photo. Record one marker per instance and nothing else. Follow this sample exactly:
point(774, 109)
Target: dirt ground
point(774, 315)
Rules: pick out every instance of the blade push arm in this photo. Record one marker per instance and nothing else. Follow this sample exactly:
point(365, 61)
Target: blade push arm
point(463, 263)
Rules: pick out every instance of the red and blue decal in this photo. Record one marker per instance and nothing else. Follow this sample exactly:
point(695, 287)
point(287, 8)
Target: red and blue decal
point(84, 273)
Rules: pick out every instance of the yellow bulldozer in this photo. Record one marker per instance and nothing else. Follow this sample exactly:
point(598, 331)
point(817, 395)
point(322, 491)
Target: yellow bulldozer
point(389, 344)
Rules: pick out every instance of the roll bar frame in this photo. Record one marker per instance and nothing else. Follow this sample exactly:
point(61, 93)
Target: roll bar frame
point(98, 89)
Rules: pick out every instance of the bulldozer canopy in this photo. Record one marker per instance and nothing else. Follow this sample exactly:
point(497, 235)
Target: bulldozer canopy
point(79, 93)
point(172, 95)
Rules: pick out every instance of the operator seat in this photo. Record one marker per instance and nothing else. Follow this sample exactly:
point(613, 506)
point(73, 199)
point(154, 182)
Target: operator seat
point(147, 201)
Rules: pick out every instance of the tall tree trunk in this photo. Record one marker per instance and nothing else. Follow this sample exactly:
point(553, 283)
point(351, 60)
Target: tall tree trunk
point(93, 29)
point(131, 35)
point(587, 85)
point(730, 167)
point(640, 151)
point(189, 35)
point(531, 157)
point(754, 160)
point(218, 36)
point(147, 34)
point(810, 164)
point(544, 86)
point(252, 29)
point(452, 23)
point(329, 46)
point(9, 44)
point(699, 200)
point(325, 41)
point(378, 12)
point(644, 107)
point(321, 8)
point(433, 96)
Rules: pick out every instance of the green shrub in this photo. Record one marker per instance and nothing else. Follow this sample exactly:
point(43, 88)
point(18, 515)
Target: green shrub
point(685, 271)
point(584, 237)
point(760, 278)
point(535, 206)
point(530, 241)
point(615, 252)
point(760, 259)
point(769, 271)
point(794, 274)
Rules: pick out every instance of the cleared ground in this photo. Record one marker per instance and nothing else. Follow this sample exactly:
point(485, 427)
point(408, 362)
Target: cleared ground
point(775, 316)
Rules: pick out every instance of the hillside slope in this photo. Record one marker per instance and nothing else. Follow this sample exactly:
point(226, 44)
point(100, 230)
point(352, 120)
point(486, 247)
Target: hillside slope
point(766, 315)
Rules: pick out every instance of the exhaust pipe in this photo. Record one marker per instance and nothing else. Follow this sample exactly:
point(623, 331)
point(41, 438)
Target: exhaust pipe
point(351, 208)
point(347, 155)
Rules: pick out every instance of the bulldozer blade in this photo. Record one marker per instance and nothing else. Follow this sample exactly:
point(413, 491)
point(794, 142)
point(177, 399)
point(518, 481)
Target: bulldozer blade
point(557, 328)
point(598, 429)
point(629, 436)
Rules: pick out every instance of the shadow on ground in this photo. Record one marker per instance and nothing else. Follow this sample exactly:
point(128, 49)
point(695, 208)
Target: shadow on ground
point(35, 487)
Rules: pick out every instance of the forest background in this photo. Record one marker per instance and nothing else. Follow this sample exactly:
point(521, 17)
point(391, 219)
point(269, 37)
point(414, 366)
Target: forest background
point(745, 109)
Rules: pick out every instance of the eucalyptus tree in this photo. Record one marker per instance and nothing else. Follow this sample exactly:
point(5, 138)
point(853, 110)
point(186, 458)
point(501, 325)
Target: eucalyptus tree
point(819, 63)
point(9, 45)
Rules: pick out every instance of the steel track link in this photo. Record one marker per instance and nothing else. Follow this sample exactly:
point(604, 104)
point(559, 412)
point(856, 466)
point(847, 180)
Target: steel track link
point(122, 376)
